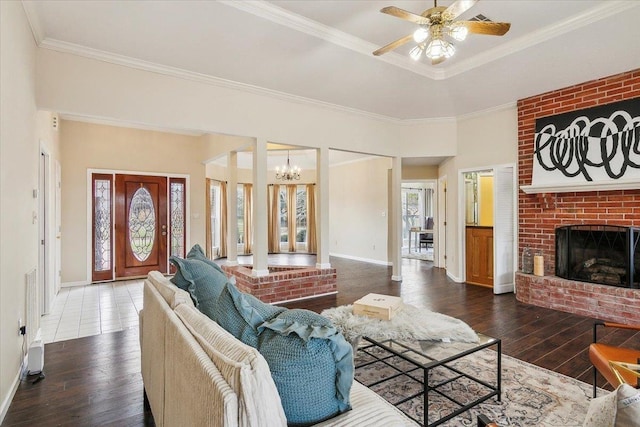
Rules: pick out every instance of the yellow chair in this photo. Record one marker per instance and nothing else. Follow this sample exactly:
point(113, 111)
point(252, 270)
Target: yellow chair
point(616, 364)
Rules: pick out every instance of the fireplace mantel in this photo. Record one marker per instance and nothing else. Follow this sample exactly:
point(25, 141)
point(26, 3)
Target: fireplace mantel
point(570, 187)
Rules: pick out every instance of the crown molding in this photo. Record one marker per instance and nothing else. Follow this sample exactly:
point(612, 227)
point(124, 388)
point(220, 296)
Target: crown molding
point(590, 16)
point(34, 21)
point(427, 120)
point(486, 111)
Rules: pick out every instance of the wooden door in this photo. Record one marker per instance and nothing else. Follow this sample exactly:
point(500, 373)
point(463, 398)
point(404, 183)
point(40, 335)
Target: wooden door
point(140, 225)
point(479, 255)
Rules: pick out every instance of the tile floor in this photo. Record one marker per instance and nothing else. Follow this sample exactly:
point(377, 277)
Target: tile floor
point(92, 310)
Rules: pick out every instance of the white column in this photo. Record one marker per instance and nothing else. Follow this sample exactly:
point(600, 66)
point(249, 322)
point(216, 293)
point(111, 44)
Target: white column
point(259, 211)
point(396, 218)
point(322, 207)
point(232, 209)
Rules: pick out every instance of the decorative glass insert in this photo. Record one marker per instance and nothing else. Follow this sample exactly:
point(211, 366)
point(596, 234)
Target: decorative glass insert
point(142, 224)
point(102, 224)
point(176, 207)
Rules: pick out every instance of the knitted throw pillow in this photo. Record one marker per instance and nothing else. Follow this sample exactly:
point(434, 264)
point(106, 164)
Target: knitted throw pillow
point(203, 282)
point(311, 364)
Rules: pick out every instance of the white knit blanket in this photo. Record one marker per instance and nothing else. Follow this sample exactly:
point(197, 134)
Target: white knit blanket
point(409, 323)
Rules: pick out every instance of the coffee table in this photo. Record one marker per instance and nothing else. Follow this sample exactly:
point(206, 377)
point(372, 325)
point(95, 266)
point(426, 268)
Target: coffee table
point(440, 373)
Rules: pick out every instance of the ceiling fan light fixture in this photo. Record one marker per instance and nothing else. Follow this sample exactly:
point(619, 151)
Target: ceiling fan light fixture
point(420, 34)
point(458, 31)
point(439, 48)
point(416, 52)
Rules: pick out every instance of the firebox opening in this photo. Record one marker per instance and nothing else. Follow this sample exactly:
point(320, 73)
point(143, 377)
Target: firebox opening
point(604, 254)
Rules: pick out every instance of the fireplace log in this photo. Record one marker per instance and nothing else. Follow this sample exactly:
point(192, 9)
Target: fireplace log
point(606, 278)
point(612, 270)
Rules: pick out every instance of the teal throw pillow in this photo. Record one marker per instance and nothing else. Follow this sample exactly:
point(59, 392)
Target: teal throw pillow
point(196, 253)
point(240, 314)
point(203, 282)
point(311, 364)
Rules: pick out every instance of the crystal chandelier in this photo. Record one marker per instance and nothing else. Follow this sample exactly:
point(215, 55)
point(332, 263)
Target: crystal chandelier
point(288, 172)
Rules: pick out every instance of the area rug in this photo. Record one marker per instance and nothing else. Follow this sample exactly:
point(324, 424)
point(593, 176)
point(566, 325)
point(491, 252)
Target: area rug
point(531, 396)
point(409, 323)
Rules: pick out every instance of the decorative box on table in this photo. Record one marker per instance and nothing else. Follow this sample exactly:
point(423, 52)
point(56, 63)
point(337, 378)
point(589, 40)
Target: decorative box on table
point(377, 306)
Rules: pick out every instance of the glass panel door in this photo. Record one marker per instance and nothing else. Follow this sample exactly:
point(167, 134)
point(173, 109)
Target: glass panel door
point(102, 216)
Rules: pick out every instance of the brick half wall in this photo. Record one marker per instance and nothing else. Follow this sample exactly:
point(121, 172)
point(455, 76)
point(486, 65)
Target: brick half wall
point(540, 214)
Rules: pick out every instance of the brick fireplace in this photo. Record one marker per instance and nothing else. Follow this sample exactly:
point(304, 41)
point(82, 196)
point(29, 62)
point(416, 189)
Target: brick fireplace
point(540, 214)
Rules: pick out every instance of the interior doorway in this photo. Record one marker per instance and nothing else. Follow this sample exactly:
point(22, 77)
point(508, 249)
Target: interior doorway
point(488, 229)
point(419, 218)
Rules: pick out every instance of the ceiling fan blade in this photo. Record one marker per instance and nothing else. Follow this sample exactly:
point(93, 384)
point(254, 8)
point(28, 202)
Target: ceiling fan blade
point(458, 8)
point(403, 14)
point(437, 61)
point(393, 45)
point(487, 28)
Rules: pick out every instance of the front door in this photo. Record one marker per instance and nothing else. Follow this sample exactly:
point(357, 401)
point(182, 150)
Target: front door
point(140, 225)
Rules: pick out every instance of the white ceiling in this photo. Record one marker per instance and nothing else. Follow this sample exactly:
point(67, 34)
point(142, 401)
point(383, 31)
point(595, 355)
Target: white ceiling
point(320, 50)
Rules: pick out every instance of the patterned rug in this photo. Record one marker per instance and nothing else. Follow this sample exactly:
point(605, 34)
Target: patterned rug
point(531, 396)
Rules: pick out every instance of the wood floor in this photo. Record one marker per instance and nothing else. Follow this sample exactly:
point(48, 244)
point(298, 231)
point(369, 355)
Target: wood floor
point(96, 381)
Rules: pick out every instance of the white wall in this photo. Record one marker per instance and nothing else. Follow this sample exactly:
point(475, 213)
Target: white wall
point(484, 140)
point(359, 209)
point(19, 156)
point(72, 84)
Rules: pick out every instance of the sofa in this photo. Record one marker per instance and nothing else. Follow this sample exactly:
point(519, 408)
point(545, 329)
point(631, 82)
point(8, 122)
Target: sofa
point(195, 373)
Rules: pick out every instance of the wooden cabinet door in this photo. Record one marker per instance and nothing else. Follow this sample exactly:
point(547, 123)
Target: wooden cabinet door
point(140, 225)
point(479, 254)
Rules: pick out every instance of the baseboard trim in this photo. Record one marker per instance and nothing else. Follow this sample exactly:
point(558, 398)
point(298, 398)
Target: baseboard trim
point(74, 284)
point(356, 258)
point(12, 392)
point(454, 278)
point(396, 278)
point(504, 289)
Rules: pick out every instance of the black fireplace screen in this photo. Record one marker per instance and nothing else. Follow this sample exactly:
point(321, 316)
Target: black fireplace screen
point(605, 254)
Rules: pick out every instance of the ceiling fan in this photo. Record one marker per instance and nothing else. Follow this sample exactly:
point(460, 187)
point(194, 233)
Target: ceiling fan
point(437, 26)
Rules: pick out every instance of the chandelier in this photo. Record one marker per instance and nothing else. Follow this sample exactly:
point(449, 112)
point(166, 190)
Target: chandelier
point(438, 47)
point(288, 172)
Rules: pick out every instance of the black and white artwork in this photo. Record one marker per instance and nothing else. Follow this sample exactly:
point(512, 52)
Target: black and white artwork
point(599, 144)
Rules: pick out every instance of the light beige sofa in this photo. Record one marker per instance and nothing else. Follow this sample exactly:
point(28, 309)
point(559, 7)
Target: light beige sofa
point(197, 374)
